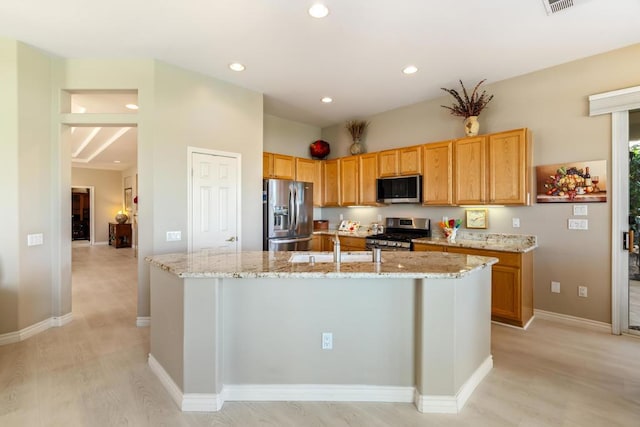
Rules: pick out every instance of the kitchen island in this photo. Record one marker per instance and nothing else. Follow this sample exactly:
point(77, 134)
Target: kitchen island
point(249, 326)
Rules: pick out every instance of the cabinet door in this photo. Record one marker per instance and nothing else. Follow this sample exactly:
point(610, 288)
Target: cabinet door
point(316, 243)
point(368, 171)
point(388, 163)
point(348, 243)
point(327, 243)
point(437, 177)
point(349, 181)
point(267, 165)
point(509, 168)
point(283, 167)
point(410, 161)
point(505, 292)
point(309, 170)
point(470, 178)
point(331, 179)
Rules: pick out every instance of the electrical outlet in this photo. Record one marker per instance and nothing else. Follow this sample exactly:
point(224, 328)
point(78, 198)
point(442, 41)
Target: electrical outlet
point(174, 236)
point(582, 291)
point(35, 239)
point(341, 217)
point(515, 222)
point(578, 224)
point(327, 341)
point(555, 287)
point(580, 210)
point(379, 217)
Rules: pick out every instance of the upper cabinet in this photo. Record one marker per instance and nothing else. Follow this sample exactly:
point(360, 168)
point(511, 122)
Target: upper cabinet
point(349, 179)
point(437, 177)
point(309, 170)
point(368, 173)
point(493, 169)
point(470, 170)
point(510, 167)
point(331, 182)
point(278, 166)
point(401, 161)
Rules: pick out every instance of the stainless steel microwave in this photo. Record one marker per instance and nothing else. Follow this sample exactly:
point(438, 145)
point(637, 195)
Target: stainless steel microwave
point(400, 189)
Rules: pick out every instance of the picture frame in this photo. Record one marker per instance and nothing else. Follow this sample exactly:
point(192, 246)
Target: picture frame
point(128, 199)
point(477, 218)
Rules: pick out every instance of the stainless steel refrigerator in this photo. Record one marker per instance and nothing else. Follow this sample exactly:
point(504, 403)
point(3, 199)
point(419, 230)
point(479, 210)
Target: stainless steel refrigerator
point(287, 215)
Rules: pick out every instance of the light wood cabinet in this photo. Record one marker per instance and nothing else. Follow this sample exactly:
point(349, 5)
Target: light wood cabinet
point(511, 282)
point(331, 182)
point(401, 161)
point(349, 179)
point(509, 167)
point(316, 242)
point(470, 171)
point(278, 166)
point(368, 173)
point(309, 170)
point(350, 243)
point(437, 176)
point(493, 169)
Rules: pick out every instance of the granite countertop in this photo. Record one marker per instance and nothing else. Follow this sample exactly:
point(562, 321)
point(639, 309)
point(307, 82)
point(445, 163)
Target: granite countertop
point(256, 264)
point(365, 232)
point(489, 241)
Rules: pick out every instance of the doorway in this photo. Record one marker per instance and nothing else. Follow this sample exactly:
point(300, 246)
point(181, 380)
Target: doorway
point(82, 215)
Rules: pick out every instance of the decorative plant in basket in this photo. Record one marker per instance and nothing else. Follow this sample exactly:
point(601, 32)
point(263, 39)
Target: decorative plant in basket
point(469, 106)
point(356, 129)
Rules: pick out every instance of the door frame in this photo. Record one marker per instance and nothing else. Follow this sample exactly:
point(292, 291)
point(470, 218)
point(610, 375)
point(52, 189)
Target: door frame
point(92, 207)
point(238, 158)
point(618, 103)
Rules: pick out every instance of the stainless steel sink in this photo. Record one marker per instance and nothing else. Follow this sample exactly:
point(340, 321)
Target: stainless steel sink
point(304, 257)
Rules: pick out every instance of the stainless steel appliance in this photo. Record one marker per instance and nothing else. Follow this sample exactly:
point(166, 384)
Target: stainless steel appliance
point(287, 215)
point(399, 189)
point(399, 233)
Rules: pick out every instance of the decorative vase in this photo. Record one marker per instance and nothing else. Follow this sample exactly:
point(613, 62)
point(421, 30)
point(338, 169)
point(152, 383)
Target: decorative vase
point(356, 147)
point(471, 126)
point(121, 218)
point(451, 237)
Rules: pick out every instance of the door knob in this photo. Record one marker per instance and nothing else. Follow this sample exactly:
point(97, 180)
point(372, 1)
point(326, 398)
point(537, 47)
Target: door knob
point(231, 239)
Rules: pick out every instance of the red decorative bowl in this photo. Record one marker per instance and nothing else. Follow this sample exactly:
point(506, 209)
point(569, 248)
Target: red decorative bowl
point(319, 149)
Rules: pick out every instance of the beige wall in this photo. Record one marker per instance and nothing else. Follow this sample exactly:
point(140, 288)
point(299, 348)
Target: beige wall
point(108, 196)
point(9, 187)
point(287, 136)
point(553, 104)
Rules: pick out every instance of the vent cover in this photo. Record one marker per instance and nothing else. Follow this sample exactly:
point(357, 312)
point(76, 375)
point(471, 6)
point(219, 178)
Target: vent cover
point(555, 6)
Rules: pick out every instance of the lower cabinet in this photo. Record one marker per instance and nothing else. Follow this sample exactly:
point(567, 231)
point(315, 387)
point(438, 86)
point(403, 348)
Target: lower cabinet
point(511, 282)
point(120, 235)
point(347, 243)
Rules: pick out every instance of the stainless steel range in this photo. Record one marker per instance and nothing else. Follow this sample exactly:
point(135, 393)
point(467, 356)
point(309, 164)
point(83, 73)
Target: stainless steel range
point(399, 233)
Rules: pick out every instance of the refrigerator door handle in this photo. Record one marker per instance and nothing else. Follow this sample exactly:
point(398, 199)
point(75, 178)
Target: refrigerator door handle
point(297, 239)
point(291, 209)
point(296, 208)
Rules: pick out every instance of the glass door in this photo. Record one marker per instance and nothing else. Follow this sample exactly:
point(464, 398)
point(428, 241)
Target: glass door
point(634, 221)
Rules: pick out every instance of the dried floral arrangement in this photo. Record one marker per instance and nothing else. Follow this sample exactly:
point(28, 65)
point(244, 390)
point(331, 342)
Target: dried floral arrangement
point(356, 128)
point(466, 105)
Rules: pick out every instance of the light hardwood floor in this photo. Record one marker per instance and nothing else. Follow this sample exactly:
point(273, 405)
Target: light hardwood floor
point(93, 372)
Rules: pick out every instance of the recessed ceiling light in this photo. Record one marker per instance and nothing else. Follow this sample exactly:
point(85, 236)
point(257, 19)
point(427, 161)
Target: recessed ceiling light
point(410, 69)
point(132, 106)
point(236, 66)
point(327, 100)
point(318, 10)
point(116, 161)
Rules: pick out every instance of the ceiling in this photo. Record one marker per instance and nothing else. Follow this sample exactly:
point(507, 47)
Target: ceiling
point(355, 55)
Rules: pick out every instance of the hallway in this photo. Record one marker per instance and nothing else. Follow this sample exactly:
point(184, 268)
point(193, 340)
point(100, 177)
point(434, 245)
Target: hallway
point(93, 372)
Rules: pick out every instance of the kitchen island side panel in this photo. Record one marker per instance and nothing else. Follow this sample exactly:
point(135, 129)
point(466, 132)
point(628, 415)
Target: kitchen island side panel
point(273, 329)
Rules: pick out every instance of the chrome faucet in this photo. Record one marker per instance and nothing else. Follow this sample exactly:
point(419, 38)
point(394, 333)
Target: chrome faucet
point(336, 249)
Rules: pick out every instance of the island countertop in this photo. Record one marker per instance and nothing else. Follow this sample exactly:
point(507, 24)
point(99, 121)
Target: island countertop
point(258, 264)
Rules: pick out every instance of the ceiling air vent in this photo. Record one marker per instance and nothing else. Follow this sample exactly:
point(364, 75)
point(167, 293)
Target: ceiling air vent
point(555, 6)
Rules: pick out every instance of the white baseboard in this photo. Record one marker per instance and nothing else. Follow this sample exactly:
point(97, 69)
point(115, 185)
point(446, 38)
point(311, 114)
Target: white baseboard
point(525, 327)
point(189, 402)
point(143, 321)
point(29, 331)
point(454, 404)
point(204, 402)
point(106, 242)
point(572, 320)
point(317, 393)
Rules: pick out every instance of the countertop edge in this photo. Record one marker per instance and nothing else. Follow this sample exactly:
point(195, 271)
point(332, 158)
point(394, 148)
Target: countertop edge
point(477, 244)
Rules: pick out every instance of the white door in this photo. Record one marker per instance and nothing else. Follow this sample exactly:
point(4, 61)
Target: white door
point(214, 194)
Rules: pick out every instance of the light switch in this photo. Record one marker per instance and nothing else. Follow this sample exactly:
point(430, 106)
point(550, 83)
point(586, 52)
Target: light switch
point(580, 210)
point(35, 239)
point(174, 236)
point(578, 224)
